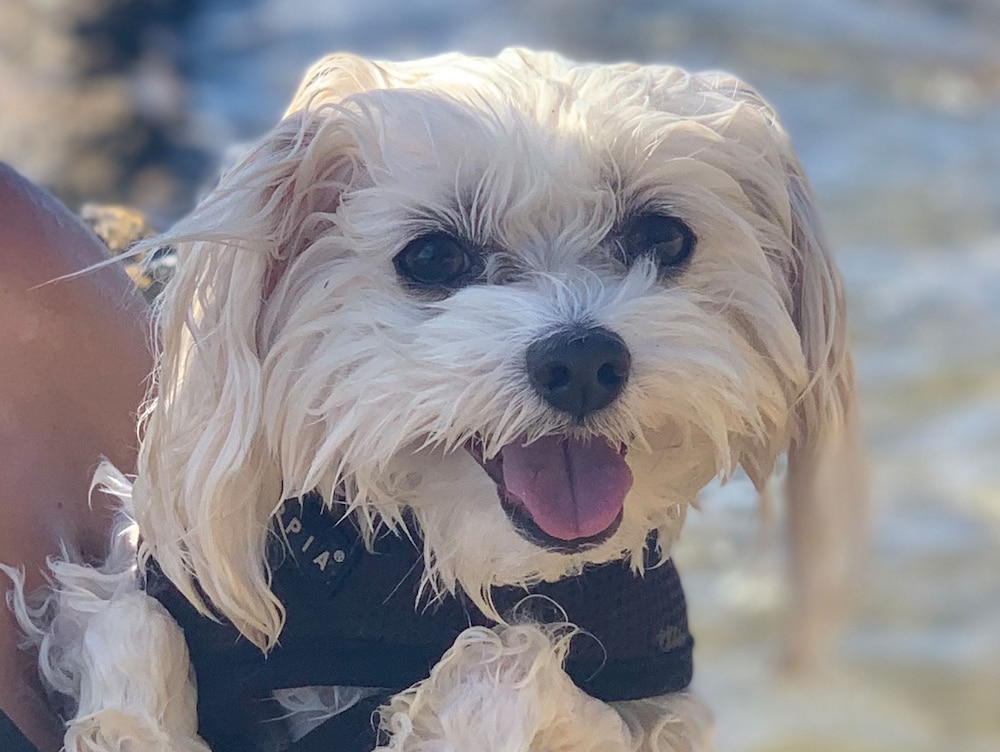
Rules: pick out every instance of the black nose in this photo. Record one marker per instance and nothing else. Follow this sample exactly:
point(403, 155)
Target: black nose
point(579, 371)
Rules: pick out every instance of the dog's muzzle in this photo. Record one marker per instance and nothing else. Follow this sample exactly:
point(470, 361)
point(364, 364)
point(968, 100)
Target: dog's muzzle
point(564, 492)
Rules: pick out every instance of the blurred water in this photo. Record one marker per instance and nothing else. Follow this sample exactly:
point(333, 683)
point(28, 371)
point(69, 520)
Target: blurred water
point(895, 108)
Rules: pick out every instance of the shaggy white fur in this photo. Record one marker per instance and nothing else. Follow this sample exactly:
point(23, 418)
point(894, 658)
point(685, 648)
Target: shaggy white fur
point(295, 357)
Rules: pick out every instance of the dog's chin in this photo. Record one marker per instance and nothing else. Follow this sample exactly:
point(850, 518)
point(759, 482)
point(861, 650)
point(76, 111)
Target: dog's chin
point(586, 517)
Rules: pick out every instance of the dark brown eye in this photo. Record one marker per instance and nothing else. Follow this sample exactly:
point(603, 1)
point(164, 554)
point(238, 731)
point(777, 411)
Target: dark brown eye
point(437, 260)
point(665, 238)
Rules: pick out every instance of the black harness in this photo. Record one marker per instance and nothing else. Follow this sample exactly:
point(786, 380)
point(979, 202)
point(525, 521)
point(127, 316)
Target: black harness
point(352, 621)
point(11, 738)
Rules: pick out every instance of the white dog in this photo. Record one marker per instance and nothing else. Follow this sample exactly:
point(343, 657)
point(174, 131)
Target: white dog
point(515, 312)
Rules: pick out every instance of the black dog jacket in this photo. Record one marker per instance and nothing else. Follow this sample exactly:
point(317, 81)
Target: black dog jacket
point(353, 620)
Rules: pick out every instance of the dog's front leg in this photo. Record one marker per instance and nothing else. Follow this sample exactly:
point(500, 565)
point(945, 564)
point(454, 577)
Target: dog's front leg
point(502, 690)
point(136, 688)
point(117, 659)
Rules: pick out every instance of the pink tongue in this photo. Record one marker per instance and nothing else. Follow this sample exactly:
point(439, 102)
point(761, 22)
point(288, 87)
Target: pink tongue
point(570, 487)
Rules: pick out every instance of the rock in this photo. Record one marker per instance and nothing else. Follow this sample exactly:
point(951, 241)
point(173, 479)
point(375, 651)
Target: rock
point(121, 227)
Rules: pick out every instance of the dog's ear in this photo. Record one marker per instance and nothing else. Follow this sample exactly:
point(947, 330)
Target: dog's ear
point(208, 482)
point(826, 482)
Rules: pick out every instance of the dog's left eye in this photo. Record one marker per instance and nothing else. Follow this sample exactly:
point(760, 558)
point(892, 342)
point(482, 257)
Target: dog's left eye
point(667, 239)
point(437, 260)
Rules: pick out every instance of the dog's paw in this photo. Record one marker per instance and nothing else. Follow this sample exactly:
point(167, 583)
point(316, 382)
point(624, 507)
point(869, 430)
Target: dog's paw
point(678, 722)
point(117, 731)
point(502, 690)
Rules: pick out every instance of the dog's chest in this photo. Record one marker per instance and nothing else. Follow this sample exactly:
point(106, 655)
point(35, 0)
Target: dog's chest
point(352, 622)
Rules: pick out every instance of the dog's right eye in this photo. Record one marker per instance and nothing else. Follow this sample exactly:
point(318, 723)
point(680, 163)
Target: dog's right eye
point(667, 239)
point(437, 260)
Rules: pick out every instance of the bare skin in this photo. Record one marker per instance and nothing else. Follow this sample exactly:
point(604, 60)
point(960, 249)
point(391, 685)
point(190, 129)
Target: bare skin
point(74, 358)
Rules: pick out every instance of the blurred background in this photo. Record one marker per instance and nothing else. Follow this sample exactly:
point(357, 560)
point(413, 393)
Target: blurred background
point(895, 108)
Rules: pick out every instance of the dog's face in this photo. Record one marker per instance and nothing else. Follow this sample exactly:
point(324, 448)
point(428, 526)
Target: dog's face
point(532, 306)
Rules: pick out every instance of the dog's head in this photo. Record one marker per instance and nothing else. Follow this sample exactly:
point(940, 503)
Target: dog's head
point(532, 306)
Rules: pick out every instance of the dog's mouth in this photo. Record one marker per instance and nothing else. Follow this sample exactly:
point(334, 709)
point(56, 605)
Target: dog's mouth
point(562, 493)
